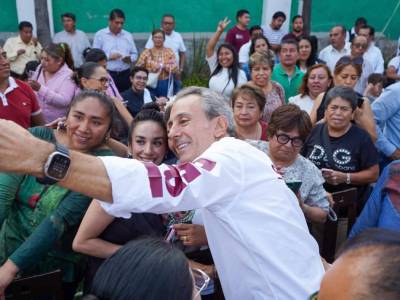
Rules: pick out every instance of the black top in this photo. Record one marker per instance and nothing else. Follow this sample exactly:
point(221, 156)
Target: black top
point(134, 100)
point(352, 152)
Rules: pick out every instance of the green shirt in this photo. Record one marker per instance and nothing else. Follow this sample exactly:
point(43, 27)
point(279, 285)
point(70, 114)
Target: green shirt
point(38, 222)
point(290, 85)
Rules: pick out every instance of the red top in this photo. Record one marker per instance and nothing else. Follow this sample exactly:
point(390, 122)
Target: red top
point(264, 126)
point(19, 103)
point(237, 37)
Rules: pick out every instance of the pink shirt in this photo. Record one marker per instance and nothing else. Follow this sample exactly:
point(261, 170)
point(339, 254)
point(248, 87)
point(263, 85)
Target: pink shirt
point(56, 93)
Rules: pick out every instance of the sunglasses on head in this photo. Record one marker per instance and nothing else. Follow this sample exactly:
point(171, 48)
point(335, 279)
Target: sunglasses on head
point(348, 60)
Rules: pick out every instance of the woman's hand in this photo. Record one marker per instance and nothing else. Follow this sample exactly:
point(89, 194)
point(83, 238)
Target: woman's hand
point(223, 24)
point(334, 177)
point(34, 85)
point(58, 124)
point(8, 271)
point(191, 234)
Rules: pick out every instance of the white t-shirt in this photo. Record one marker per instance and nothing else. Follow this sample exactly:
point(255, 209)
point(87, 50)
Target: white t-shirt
point(78, 41)
point(305, 102)
point(395, 63)
point(173, 41)
point(374, 56)
point(274, 36)
point(331, 55)
point(244, 53)
point(255, 228)
point(221, 82)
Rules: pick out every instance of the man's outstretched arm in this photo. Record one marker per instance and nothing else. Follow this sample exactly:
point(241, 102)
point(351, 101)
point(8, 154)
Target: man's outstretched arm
point(20, 152)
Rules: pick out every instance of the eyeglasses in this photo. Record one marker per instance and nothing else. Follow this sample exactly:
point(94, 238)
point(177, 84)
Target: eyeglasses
point(283, 139)
point(359, 45)
point(103, 80)
point(141, 78)
point(348, 60)
point(201, 281)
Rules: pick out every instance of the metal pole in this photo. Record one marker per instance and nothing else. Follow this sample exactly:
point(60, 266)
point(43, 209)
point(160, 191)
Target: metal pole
point(42, 21)
point(307, 16)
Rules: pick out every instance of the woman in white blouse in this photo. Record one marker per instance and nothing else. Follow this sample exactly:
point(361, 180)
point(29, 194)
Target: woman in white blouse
point(224, 64)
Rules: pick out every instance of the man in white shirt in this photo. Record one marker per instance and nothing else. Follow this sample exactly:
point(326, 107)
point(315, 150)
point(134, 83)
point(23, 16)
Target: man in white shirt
point(22, 49)
point(358, 46)
point(76, 39)
point(338, 47)
point(244, 51)
point(274, 32)
point(373, 53)
point(255, 228)
point(119, 47)
point(173, 40)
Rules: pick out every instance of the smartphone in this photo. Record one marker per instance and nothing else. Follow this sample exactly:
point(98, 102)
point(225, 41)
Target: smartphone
point(360, 101)
point(294, 185)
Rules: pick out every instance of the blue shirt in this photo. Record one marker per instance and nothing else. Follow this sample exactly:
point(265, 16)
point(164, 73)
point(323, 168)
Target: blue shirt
point(379, 210)
point(386, 110)
point(122, 43)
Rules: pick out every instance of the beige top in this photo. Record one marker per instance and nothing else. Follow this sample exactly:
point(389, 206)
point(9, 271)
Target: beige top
point(18, 62)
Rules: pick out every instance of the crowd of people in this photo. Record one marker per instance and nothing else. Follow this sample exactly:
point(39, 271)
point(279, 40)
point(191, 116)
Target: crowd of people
point(136, 187)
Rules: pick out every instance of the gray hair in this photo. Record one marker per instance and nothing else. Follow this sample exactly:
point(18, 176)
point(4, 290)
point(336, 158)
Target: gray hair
point(214, 104)
point(345, 93)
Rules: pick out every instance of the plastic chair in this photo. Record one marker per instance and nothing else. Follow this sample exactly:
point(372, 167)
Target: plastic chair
point(48, 285)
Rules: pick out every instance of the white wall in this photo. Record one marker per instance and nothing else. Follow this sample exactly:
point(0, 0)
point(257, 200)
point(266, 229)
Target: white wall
point(272, 6)
point(26, 12)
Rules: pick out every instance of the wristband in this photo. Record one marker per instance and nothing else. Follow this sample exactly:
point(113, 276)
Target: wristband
point(348, 178)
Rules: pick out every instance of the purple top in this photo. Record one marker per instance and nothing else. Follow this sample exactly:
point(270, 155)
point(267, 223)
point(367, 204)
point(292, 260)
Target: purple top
point(56, 93)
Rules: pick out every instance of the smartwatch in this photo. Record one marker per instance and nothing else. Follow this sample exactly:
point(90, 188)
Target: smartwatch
point(56, 166)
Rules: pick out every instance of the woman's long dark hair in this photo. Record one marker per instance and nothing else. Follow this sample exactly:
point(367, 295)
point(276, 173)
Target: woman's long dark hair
point(233, 70)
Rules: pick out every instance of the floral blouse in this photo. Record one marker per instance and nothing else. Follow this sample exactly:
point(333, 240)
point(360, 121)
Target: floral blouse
point(152, 59)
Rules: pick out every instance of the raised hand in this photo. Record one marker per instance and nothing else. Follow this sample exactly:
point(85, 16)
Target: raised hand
point(223, 24)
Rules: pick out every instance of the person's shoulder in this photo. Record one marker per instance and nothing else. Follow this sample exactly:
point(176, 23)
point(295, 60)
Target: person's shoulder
point(295, 99)
point(22, 84)
point(127, 93)
point(358, 133)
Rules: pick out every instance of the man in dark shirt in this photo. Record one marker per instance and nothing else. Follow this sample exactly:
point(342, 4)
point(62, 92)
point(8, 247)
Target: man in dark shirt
point(239, 35)
point(297, 29)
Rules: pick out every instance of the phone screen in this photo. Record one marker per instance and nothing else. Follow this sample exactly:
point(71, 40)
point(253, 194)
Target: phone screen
point(294, 185)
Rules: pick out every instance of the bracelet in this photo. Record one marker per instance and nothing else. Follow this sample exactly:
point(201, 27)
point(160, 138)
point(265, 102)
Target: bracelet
point(348, 178)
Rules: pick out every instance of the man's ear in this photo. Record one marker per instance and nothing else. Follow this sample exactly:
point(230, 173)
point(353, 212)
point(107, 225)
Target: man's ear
point(221, 127)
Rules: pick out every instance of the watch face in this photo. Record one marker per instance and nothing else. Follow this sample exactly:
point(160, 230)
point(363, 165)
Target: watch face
point(58, 166)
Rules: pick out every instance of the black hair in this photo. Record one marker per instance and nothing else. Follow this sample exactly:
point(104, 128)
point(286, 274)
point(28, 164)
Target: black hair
point(105, 101)
point(94, 55)
point(361, 20)
point(137, 69)
point(241, 12)
point(314, 49)
point(146, 268)
point(371, 29)
point(116, 13)
point(168, 15)
point(149, 112)
point(24, 24)
point(29, 66)
point(254, 28)
point(342, 27)
point(158, 30)
point(296, 17)
point(233, 70)
point(289, 41)
point(376, 78)
point(85, 71)
point(345, 93)
point(253, 44)
point(69, 15)
point(278, 14)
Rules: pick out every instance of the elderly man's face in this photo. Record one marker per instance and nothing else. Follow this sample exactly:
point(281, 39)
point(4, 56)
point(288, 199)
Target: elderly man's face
point(190, 133)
